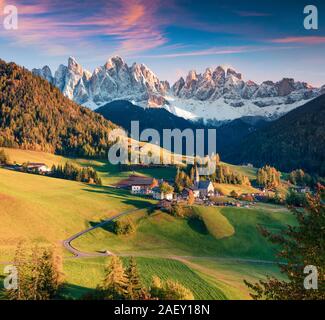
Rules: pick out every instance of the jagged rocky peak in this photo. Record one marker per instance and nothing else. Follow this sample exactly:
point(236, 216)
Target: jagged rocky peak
point(45, 73)
point(178, 85)
point(232, 72)
point(208, 74)
point(74, 66)
point(225, 82)
point(285, 86)
point(114, 80)
point(192, 76)
point(114, 62)
point(213, 90)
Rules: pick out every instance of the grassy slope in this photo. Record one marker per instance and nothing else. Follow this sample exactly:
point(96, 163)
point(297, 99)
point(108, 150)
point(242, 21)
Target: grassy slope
point(247, 171)
point(214, 261)
point(109, 173)
point(49, 210)
point(227, 188)
point(216, 223)
point(80, 284)
point(162, 234)
point(30, 204)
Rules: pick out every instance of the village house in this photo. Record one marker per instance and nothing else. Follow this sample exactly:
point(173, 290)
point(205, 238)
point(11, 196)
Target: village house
point(159, 195)
point(137, 184)
point(37, 167)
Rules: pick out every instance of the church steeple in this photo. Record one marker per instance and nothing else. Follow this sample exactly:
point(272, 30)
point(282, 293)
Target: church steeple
point(197, 176)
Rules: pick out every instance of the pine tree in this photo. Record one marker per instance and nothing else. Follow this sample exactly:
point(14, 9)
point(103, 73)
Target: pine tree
point(38, 274)
point(300, 246)
point(115, 284)
point(20, 262)
point(136, 291)
point(47, 275)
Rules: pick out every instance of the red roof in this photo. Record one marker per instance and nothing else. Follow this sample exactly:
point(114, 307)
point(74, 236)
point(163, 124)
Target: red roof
point(135, 181)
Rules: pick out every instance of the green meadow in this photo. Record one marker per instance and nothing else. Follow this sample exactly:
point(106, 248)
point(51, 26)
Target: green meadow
point(233, 234)
point(211, 256)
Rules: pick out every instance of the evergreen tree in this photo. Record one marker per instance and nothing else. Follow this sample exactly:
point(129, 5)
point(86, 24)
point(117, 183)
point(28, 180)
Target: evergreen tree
point(300, 246)
point(135, 289)
point(39, 276)
point(46, 275)
point(115, 284)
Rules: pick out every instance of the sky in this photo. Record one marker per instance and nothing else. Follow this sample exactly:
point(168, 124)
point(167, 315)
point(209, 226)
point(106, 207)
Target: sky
point(264, 40)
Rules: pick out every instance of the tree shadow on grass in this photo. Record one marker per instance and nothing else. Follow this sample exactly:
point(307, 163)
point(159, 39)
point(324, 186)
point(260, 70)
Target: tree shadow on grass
point(74, 292)
point(67, 292)
point(109, 226)
point(121, 194)
point(197, 225)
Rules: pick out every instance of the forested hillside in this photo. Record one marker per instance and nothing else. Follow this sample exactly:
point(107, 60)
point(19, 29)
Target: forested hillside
point(34, 115)
point(297, 140)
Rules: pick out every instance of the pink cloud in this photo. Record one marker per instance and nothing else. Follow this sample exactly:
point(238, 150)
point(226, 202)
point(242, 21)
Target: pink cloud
point(303, 40)
point(131, 26)
point(2, 4)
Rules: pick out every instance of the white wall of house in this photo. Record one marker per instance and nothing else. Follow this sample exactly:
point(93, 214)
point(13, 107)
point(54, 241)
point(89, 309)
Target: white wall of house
point(44, 169)
point(168, 196)
point(162, 196)
point(135, 189)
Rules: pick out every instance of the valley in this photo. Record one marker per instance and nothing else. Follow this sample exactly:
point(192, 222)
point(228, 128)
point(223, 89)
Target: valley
point(194, 253)
point(58, 189)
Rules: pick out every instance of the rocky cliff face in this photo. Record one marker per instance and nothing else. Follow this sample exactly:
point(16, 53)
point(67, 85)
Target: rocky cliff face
point(219, 93)
point(228, 84)
point(114, 80)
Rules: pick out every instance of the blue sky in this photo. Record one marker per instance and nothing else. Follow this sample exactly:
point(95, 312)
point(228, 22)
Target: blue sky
point(265, 40)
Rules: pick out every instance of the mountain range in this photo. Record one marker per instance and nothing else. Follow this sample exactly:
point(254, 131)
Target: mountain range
point(35, 115)
point(220, 93)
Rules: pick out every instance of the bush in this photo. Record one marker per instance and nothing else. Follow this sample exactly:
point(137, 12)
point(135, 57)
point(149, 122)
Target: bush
point(296, 199)
point(4, 159)
point(169, 290)
point(124, 227)
point(179, 210)
point(234, 194)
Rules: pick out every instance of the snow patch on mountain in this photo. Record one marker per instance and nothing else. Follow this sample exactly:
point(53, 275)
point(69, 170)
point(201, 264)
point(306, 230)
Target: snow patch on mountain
point(219, 93)
point(193, 109)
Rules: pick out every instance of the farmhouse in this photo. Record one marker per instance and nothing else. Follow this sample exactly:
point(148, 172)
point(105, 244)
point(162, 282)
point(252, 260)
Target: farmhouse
point(38, 167)
point(159, 195)
point(137, 184)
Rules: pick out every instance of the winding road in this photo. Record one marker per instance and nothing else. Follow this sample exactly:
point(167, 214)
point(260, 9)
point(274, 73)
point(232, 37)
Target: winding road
point(79, 254)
